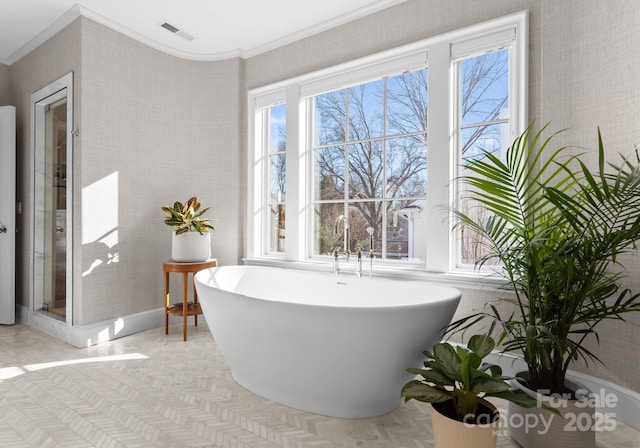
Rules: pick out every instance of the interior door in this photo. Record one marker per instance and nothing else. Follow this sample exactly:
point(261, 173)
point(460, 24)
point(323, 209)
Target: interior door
point(7, 214)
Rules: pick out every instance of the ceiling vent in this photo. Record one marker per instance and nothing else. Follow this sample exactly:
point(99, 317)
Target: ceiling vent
point(177, 31)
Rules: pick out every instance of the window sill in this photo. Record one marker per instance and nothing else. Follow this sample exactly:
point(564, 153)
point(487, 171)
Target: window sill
point(456, 280)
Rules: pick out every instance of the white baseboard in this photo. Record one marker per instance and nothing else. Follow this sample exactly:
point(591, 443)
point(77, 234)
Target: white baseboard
point(619, 402)
point(86, 335)
point(82, 336)
point(43, 323)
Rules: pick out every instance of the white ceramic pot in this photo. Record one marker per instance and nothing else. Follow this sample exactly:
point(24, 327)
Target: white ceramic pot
point(191, 247)
point(538, 428)
point(449, 433)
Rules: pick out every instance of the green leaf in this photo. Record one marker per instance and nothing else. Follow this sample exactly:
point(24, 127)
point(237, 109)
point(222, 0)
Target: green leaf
point(489, 385)
point(481, 345)
point(448, 361)
point(423, 392)
point(524, 400)
point(465, 373)
point(461, 352)
point(474, 361)
point(432, 376)
point(495, 370)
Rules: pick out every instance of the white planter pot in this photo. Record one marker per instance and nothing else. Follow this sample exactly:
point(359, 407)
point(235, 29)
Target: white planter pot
point(538, 428)
point(449, 433)
point(190, 247)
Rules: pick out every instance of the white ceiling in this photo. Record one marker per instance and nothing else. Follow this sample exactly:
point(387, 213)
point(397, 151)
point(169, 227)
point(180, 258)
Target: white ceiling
point(221, 29)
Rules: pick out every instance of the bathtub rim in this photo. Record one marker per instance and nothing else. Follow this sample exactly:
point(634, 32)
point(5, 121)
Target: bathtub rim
point(456, 294)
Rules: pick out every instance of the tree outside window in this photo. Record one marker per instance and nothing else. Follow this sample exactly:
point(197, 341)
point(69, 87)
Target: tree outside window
point(370, 149)
point(381, 141)
point(370, 164)
point(484, 125)
point(277, 145)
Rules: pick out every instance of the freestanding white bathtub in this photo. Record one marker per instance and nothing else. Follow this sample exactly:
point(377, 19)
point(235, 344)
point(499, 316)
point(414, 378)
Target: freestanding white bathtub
point(336, 346)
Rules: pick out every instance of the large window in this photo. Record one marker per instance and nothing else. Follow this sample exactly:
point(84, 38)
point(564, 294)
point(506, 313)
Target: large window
point(369, 157)
point(379, 142)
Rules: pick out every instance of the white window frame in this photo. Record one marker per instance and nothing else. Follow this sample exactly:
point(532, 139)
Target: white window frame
point(443, 51)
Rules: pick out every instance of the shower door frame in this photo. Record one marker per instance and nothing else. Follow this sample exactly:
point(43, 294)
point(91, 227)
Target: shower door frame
point(52, 93)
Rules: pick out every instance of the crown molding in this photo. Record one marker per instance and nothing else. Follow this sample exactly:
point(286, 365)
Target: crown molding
point(76, 11)
point(319, 28)
point(99, 18)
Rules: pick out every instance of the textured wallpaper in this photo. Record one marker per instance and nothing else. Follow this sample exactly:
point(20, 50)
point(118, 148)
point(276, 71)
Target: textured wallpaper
point(153, 129)
point(166, 128)
point(589, 78)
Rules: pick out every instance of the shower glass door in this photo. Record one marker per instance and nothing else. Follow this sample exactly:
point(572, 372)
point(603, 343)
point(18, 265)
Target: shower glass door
point(51, 204)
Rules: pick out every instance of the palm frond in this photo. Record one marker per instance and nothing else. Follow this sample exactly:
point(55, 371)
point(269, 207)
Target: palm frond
point(556, 229)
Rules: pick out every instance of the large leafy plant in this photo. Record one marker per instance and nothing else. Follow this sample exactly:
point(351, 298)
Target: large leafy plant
point(457, 374)
point(555, 230)
point(187, 217)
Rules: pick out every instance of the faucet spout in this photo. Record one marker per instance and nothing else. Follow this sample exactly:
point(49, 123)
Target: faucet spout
point(343, 219)
point(370, 231)
point(340, 219)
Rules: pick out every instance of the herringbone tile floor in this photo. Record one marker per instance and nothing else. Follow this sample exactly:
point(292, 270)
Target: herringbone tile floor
point(155, 391)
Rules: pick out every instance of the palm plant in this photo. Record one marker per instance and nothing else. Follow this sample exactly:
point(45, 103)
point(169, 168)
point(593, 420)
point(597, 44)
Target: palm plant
point(555, 231)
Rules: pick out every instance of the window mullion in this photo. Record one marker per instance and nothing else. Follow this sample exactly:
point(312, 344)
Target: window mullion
point(385, 203)
point(439, 158)
point(266, 175)
point(307, 119)
point(347, 167)
point(296, 180)
point(482, 123)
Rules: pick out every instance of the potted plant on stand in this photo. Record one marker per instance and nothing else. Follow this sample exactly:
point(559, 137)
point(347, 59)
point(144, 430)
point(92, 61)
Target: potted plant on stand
point(191, 240)
point(555, 231)
point(456, 382)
